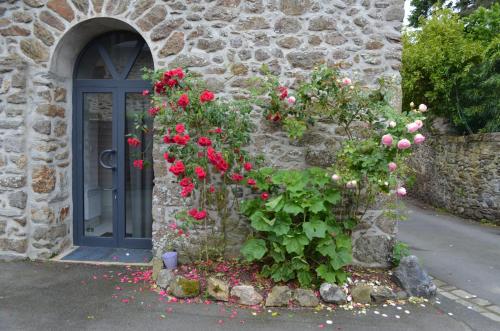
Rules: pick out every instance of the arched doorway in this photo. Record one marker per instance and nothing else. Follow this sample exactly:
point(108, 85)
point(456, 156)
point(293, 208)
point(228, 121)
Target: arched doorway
point(112, 199)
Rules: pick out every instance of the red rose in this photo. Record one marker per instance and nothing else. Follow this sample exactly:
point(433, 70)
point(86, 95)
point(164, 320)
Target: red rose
point(283, 92)
point(153, 111)
point(183, 101)
point(247, 166)
point(171, 82)
point(200, 172)
point(171, 159)
point(211, 189)
point(145, 92)
point(198, 215)
point(134, 142)
point(264, 196)
point(186, 181)
point(181, 140)
point(251, 181)
point(204, 141)
point(186, 190)
point(237, 177)
point(139, 164)
point(206, 96)
point(159, 87)
point(179, 128)
point(166, 156)
point(177, 168)
point(167, 139)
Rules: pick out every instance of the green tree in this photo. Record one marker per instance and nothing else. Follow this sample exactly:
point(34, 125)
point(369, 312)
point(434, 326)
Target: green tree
point(423, 8)
point(453, 65)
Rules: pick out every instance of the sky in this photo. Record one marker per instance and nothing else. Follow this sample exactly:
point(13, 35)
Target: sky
point(407, 12)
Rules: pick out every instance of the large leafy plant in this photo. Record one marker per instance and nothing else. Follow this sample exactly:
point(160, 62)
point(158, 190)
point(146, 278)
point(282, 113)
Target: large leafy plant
point(296, 234)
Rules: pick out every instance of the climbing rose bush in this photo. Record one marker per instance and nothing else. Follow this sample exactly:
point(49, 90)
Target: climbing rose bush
point(302, 222)
point(201, 138)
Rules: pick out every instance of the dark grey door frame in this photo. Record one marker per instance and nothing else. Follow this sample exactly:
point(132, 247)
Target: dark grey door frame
point(118, 87)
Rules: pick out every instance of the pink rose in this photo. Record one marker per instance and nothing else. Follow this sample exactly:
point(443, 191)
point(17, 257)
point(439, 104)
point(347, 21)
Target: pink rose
point(418, 139)
point(412, 127)
point(335, 177)
point(291, 100)
point(422, 108)
point(351, 184)
point(401, 191)
point(387, 139)
point(392, 166)
point(419, 123)
point(346, 81)
point(404, 144)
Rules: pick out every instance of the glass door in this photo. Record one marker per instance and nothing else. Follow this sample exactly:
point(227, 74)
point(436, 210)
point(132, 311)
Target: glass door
point(112, 199)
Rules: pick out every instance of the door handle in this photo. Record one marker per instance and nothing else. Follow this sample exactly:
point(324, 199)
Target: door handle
point(101, 161)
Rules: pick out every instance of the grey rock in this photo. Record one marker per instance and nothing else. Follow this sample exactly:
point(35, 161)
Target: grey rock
point(182, 287)
point(331, 293)
point(189, 60)
point(18, 199)
point(157, 267)
point(218, 289)
point(381, 294)
point(411, 277)
point(279, 296)
point(373, 250)
point(42, 127)
point(246, 295)
point(287, 25)
point(306, 60)
point(164, 278)
point(361, 293)
point(305, 297)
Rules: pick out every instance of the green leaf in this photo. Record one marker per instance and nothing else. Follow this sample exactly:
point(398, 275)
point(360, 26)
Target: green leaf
point(326, 273)
point(275, 204)
point(332, 196)
point(314, 229)
point(292, 208)
point(317, 206)
point(304, 277)
point(258, 222)
point(295, 244)
point(326, 247)
point(254, 249)
point(343, 240)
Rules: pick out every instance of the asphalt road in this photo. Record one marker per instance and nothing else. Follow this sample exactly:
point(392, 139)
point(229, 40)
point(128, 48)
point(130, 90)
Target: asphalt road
point(58, 296)
point(462, 253)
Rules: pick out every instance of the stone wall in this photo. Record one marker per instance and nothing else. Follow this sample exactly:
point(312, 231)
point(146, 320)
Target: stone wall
point(460, 174)
point(225, 40)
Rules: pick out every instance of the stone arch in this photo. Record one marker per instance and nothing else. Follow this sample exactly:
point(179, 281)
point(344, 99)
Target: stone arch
point(65, 53)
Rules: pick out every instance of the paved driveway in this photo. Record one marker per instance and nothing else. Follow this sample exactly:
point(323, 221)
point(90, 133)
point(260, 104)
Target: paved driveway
point(462, 253)
point(57, 296)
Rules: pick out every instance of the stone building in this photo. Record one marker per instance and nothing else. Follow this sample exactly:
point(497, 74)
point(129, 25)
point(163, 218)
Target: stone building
point(69, 79)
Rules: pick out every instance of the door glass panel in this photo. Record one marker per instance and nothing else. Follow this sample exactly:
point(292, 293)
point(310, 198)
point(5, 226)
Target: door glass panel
point(97, 180)
point(92, 66)
point(121, 47)
point(138, 183)
point(144, 60)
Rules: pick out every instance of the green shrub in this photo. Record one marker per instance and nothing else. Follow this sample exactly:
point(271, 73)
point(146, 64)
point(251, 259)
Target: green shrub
point(452, 65)
point(299, 236)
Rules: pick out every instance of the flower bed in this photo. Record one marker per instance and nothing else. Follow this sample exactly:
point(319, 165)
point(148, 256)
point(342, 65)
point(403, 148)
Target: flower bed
point(300, 219)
